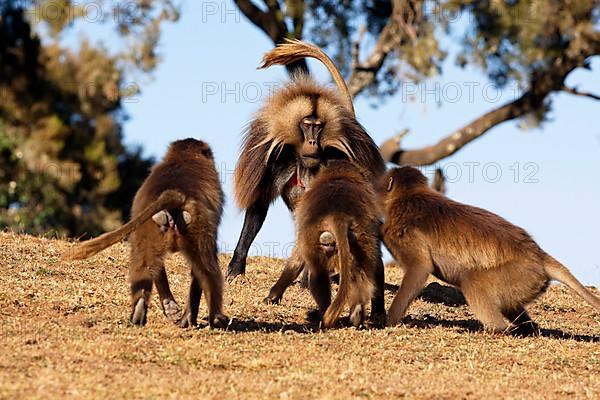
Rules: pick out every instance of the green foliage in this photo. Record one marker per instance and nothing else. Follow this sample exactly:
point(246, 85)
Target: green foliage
point(512, 39)
point(335, 25)
point(63, 166)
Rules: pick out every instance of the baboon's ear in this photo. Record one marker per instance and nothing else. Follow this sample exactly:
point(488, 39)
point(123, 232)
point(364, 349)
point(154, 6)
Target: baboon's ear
point(390, 184)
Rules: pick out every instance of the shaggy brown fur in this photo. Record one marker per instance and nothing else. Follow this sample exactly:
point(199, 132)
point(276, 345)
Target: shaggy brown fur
point(274, 137)
point(342, 202)
point(301, 127)
point(185, 187)
point(497, 265)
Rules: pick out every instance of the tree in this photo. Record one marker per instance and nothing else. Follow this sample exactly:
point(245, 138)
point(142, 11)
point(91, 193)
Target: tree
point(62, 162)
point(535, 43)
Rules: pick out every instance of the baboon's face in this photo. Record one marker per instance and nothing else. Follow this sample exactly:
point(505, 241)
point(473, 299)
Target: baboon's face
point(310, 152)
point(314, 127)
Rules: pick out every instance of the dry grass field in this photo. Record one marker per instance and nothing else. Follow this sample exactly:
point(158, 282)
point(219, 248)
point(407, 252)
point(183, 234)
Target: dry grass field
point(64, 333)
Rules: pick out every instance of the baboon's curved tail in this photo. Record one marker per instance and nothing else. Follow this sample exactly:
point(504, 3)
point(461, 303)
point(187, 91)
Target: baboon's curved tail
point(559, 272)
point(293, 49)
point(340, 231)
point(167, 200)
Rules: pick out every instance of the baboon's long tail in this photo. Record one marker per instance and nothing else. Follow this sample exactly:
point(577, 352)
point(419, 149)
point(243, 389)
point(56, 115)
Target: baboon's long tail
point(293, 50)
point(167, 200)
point(340, 231)
point(559, 272)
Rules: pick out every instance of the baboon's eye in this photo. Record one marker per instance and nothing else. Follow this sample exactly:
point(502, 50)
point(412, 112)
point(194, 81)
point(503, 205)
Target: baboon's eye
point(390, 184)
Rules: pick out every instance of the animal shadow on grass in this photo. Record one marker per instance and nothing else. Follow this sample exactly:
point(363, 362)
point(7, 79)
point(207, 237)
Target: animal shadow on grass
point(452, 297)
point(436, 293)
point(312, 324)
point(558, 334)
point(251, 325)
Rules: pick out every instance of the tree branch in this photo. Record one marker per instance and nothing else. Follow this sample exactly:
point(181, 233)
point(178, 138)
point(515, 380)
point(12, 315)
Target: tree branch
point(395, 31)
point(455, 141)
point(364, 73)
point(577, 92)
point(542, 84)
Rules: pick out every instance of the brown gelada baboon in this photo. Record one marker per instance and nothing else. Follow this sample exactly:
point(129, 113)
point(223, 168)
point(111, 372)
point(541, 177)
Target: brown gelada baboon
point(497, 265)
point(177, 208)
point(338, 230)
point(302, 126)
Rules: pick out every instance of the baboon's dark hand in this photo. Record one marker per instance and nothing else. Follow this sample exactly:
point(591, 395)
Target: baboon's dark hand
point(236, 268)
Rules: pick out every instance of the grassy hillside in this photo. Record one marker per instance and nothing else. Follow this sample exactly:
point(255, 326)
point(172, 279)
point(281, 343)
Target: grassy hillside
point(64, 333)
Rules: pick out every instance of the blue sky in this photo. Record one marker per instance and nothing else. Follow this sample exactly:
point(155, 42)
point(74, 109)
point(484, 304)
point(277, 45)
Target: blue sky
point(208, 87)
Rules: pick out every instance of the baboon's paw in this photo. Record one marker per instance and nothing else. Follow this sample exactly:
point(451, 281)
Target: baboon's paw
point(526, 329)
point(186, 321)
point(139, 313)
point(235, 269)
point(379, 320)
point(172, 310)
point(272, 299)
point(313, 315)
point(237, 279)
point(357, 315)
point(392, 321)
point(220, 321)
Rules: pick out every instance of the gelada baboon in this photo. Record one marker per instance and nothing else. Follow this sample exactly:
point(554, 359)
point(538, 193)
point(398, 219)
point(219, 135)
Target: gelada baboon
point(301, 126)
point(338, 230)
point(497, 265)
point(177, 208)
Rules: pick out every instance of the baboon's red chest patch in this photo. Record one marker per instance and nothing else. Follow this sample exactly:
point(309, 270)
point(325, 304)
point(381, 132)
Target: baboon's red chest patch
point(295, 180)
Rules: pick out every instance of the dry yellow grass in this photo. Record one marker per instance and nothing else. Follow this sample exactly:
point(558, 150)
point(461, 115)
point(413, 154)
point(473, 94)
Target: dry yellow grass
point(64, 334)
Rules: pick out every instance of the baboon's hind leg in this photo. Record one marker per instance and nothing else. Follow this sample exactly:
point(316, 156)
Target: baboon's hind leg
point(320, 288)
point(522, 322)
point(171, 309)
point(205, 269)
point(486, 310)
point(190, 315)
point(293, 266)
point(140, 279)
point(378, 299)
point(357, 314)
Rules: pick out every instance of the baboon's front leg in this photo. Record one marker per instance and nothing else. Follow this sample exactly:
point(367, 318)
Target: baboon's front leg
point(412, 284)
point(253, 220)
point(378, 299)
point(320, 288)
point(205, 268)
